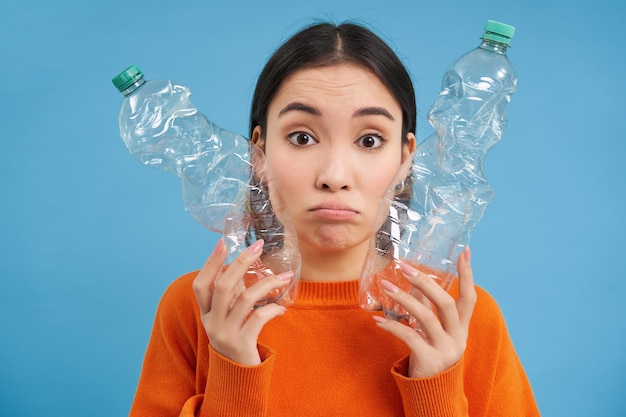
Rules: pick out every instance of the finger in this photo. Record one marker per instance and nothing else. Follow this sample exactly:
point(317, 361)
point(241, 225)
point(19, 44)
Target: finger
point(410, 337)
point(253, 326)
point(248, 299)
point(205, 278)
point(467, 291)
point(443, 302)
point(423, 313)
point(228, 281)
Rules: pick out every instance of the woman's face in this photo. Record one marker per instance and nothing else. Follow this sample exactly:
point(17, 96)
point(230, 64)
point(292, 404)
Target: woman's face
point(333, 145)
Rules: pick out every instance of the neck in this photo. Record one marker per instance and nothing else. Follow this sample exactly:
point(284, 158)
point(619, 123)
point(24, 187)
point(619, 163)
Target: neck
point(332, 265)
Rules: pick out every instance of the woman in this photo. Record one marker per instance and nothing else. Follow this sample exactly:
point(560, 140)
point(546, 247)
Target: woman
point(334, 112)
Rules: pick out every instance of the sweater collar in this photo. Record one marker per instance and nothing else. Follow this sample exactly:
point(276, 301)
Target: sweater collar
point(328, 294)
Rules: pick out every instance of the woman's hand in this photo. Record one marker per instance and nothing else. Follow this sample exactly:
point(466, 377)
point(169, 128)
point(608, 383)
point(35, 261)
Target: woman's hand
point(229, 320)
point(441, 340)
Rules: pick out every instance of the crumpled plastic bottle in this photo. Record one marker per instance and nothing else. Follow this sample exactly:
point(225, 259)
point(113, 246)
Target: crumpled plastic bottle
point(161, 128)
point(442, 192)
point(225, 183)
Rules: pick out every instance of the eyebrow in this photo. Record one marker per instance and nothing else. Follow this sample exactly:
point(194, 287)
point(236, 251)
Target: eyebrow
point(373, 111)
point(297, 106)
point(365, 111)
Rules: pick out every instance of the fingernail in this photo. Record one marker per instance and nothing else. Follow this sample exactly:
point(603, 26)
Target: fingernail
point(219, 247)
point(388, 286)
point(379, 319)
point(256, 247)
point(285, 276)
point(467, 254)
point(408, 269)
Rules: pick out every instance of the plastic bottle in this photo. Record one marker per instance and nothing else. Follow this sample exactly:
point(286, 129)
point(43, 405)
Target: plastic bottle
point(224, 180)
point(430, 213)
point(162, 128)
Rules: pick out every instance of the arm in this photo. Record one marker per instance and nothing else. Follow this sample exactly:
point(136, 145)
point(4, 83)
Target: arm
point(495, 381)
point(232, 389)
point(431, 379)
point(182, 374)
point(487, 378)
point(489, 381)
point(170, 359)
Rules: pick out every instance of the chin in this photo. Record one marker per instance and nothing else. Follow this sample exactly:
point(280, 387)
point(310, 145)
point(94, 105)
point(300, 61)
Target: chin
point(337, 241)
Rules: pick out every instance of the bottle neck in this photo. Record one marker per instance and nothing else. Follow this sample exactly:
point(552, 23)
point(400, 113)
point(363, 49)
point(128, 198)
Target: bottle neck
point(494, 46)
point(131, 88)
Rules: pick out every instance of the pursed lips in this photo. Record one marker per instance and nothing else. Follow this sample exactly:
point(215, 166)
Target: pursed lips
point(334, 211)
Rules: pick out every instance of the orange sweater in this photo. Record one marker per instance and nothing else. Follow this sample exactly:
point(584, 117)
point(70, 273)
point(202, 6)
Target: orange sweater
point(324, 357)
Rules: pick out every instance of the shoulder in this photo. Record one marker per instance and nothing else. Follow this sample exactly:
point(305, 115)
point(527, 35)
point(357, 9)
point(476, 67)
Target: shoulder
point(487, 325)
point(182, 285)
point(488, 340)
point(486, 307)
point(179, 296)
point(177, 328)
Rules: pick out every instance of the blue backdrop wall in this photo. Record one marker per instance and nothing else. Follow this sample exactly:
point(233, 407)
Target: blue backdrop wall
point(90, 238)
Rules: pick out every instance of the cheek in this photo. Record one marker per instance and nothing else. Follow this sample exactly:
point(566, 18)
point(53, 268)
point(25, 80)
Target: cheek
point(280, 168)
point(375, 203)
point(380, 179)
point(286, 179)
point(376, 178)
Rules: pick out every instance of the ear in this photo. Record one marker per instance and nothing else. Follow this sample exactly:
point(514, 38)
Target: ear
point(257, 137)
point(409, 146)
point(257, 156)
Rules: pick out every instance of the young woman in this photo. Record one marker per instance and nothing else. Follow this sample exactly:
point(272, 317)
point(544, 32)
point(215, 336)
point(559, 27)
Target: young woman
point(334, 112)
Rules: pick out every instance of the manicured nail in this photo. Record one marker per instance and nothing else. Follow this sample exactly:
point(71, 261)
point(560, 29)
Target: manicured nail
point(388, 286)
point(467, 254)
point(285, 276)
point(408, 269)
point(256, 247)
point(379, 319)
point(219, 247)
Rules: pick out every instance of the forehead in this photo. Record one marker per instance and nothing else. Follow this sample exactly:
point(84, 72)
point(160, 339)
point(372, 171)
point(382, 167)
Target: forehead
point(335, 86)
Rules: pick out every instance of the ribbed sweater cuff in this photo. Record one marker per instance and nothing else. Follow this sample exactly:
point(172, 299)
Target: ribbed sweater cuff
point(439, 395)
point(236, 390)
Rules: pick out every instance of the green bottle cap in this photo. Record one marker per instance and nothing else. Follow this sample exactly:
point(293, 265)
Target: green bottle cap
point(126, 78)
point(499, 32)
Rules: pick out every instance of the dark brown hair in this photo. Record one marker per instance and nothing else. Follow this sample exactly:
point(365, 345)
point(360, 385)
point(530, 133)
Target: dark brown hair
point(326, 44)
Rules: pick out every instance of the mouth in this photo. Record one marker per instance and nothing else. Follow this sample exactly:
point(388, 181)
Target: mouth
point(334, 211)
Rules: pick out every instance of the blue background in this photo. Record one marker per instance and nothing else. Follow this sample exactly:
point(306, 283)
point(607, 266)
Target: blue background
point(90, 238)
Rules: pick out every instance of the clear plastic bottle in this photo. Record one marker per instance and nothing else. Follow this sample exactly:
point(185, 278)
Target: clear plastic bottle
point(161, 128)
point(430, 213)
point(224, 179)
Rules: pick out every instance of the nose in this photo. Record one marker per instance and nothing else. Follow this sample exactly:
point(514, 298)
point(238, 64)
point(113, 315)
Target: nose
point(334, 172)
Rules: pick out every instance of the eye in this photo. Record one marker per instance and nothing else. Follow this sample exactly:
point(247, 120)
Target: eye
point(371, 141)
point(301, 139)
